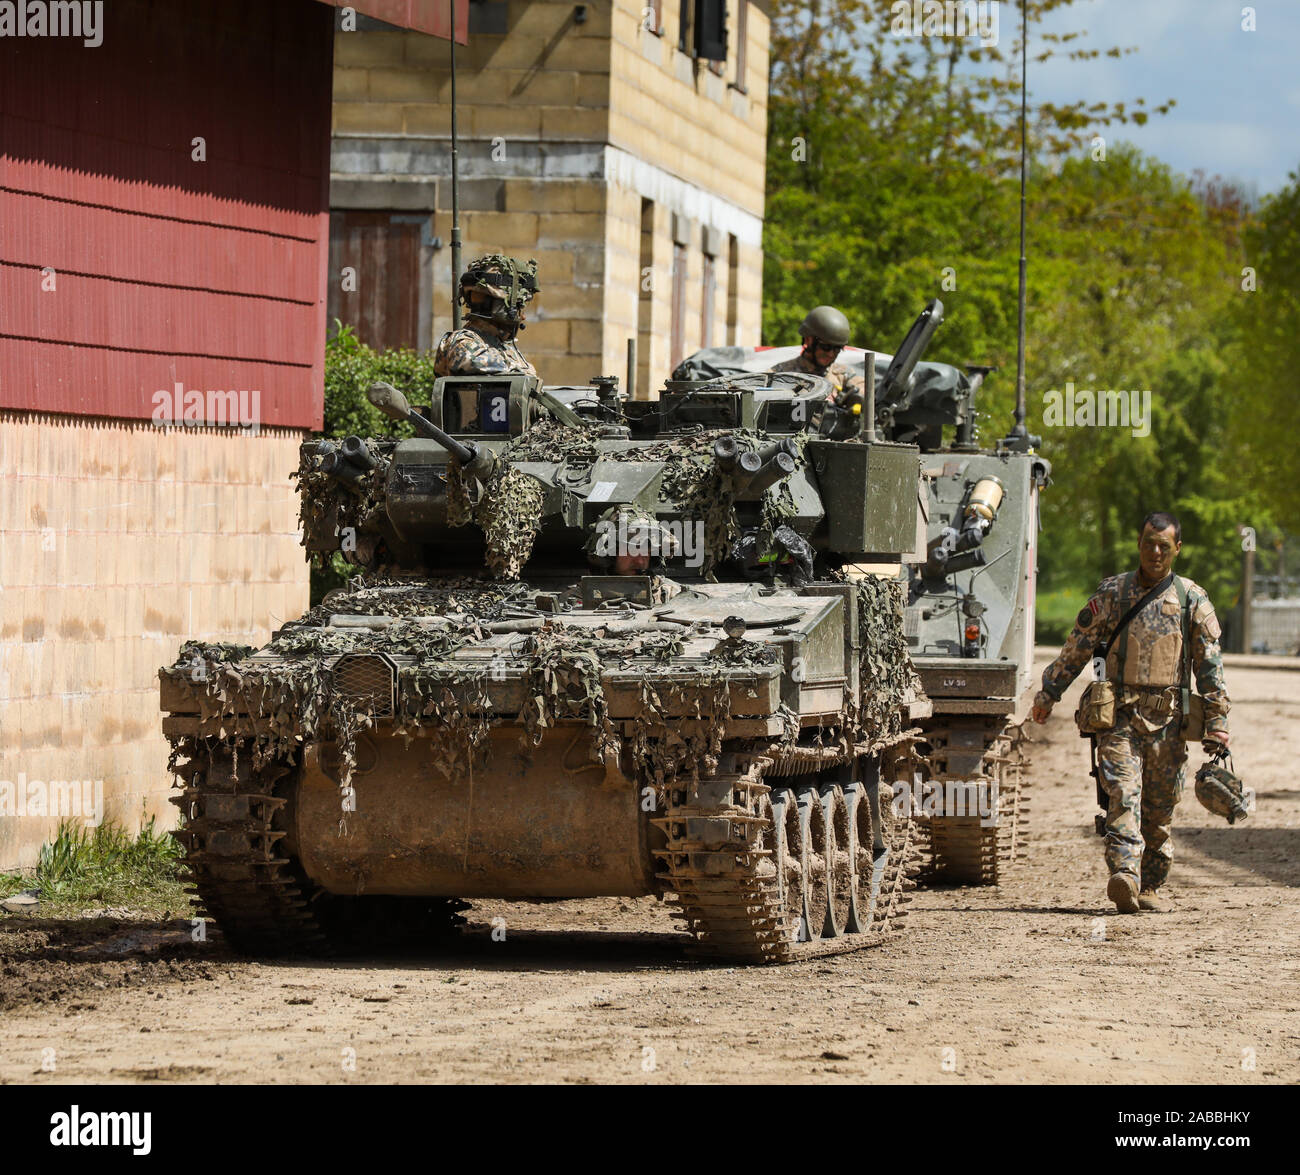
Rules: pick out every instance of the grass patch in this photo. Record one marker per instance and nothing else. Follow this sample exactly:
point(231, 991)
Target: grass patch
point(89, 868)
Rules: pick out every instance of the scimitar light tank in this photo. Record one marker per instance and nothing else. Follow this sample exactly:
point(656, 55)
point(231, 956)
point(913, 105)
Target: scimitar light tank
point(592, 647)
point(970, 597)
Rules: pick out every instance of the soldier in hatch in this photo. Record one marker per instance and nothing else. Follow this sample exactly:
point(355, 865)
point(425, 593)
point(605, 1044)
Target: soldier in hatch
point(1142, 757)
point(494, 291)
point(626, 540)
point(825, 332)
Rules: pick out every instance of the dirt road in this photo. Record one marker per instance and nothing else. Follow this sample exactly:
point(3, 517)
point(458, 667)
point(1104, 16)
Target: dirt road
point(1037, 981)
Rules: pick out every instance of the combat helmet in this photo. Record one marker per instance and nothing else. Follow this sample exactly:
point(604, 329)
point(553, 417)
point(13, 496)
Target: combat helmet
point(827, 324)
point(509, 285)
point(629, 530)
point(1219, 790)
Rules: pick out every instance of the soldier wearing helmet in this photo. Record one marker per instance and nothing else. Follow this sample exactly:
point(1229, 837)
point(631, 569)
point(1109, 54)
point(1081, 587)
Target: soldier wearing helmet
point(825, 331)
point(494, 291)
point(626, 540)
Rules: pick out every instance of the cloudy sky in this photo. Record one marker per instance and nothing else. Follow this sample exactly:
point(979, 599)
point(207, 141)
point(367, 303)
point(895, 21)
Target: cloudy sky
point(1237, 92)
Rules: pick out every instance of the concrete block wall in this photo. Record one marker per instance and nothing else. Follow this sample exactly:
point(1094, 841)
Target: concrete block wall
point(118, 541)
point(674, 112)
point(564, 129)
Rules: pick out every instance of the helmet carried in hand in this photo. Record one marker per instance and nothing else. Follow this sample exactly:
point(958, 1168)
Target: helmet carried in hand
point(1219, 790)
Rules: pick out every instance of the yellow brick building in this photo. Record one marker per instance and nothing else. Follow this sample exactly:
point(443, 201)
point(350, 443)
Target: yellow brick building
point(597, 138)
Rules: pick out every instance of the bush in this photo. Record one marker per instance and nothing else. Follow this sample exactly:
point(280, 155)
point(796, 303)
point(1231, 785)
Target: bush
point(351, 367)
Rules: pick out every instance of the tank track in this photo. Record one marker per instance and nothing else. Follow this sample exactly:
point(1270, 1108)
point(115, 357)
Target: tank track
point(233, 830)
point(963, 849)
point(786, 871)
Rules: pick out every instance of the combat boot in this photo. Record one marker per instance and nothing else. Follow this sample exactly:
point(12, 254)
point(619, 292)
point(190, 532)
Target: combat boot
point(1155, 901)
point(1122, 889)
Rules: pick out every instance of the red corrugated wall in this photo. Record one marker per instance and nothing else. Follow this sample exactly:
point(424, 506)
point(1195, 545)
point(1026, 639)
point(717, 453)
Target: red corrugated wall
point(425, 16)
point(167, 269)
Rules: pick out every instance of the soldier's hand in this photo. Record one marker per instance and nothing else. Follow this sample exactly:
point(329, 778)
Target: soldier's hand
point(1041, 712)
point(1214, 740)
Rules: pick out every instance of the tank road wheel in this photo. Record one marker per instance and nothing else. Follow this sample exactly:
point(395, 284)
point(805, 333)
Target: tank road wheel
point(813, 852)
point(861, 834)
point(787, 841)
point(785, 874)
point(840, 863)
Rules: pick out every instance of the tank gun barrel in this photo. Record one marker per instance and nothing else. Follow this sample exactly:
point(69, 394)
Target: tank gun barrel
point(393, 404)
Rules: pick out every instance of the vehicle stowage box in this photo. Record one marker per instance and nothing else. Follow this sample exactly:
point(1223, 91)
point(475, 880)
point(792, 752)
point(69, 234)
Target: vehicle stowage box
point(869, 494)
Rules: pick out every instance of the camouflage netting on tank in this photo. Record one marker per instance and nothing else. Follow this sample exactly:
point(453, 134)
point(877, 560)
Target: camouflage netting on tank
point(549, 440)
point(688, 744)
point(324, 502)
point(563, 680)
point(450, 704)
point(508, 509)
point(680, 729)
point(377, 595)
point(270, 710)
point(888, 678)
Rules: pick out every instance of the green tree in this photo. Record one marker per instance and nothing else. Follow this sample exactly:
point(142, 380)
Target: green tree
point(893, 178)
point(1265, 413)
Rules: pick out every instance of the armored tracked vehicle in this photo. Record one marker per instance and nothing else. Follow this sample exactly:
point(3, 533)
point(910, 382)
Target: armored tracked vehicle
point(970, 597)
point(592, 647)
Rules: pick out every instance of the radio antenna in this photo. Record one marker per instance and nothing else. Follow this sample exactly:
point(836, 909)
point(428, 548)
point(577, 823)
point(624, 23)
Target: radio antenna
point(1019, 436)
point(455, 196)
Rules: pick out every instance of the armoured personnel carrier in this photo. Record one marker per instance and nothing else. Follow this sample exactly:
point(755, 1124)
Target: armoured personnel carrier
point(970, 596)
point(592, 647)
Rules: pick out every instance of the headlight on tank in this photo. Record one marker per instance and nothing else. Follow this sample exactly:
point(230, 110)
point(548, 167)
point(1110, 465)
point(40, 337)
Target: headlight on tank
point(985, 498)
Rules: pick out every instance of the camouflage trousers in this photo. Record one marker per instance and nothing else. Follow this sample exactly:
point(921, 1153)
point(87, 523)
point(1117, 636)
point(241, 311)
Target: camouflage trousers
point(1142, 773)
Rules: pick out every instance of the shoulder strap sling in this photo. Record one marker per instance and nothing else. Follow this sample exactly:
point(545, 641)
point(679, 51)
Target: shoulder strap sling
point(1185, 676)
point(1122, 626)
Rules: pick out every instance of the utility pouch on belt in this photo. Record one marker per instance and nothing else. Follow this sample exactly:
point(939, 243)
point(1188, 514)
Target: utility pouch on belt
point(1096, 712)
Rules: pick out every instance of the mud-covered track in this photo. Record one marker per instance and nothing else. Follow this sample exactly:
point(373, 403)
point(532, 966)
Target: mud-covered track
point(784, 871)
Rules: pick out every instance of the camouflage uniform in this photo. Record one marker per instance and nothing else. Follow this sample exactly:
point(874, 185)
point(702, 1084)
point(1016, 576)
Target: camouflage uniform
point(844, 381)
point(1143, 756)
point(478, 349)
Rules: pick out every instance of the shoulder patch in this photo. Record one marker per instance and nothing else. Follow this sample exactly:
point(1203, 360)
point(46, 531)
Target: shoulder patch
point(1088, 614)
